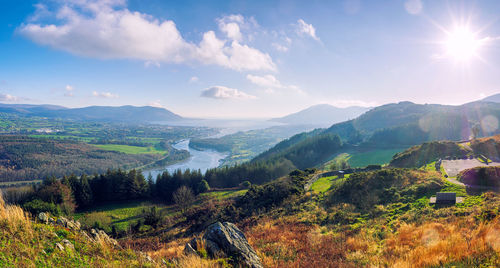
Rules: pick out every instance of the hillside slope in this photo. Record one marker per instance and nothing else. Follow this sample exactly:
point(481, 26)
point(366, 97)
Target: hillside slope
point(23, 158)
point(428, 152)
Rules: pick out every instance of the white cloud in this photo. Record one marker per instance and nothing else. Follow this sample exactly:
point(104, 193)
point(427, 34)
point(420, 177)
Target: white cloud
point(156, 104)
point(107, 95)
point(8, 98)
point(271, 84)
point(193, 79)
point(414, 7)
point(280, 47)
point(230, 25)
point(348, 103)
point(268, 81)
point(306, 29)
point(221, 92)
point(108, 30)
point(69, 91)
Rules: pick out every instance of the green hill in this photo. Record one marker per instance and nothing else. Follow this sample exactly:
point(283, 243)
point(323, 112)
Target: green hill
point(428, 152)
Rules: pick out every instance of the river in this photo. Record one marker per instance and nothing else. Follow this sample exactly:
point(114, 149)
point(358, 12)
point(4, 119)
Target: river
point(202, 160)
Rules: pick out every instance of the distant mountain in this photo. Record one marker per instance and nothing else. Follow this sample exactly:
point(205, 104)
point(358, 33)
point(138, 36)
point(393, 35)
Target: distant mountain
point(94, 113)
point(322, 114)
point(409, 123)
point(399, 124)
point(492, 98)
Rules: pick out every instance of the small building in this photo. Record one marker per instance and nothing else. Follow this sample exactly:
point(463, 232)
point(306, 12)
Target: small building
point(446, 198)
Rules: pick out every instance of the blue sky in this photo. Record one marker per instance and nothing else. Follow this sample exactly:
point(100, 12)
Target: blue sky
point(247, 58)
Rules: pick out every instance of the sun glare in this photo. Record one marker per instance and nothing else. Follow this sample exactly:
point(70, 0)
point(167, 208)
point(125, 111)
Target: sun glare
point(462, 44)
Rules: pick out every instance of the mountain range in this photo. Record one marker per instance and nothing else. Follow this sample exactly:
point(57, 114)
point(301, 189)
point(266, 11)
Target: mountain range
point(322, 115)
point(126, 113)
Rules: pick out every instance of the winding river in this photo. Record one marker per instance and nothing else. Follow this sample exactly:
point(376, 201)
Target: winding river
point(199, 159)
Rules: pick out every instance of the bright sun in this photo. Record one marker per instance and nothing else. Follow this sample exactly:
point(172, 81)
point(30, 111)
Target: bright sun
point(462, 44)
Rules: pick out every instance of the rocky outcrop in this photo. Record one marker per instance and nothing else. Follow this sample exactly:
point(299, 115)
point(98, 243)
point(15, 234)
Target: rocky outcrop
point(96, 236)
point(101, 237)
point(70, 224)
point(43, 217)
point(224, 240)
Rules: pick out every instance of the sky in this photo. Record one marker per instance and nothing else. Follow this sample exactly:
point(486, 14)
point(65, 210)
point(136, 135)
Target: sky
point(247, 59)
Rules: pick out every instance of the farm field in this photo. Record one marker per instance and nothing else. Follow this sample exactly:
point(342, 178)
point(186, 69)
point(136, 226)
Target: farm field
point(374, 157)
point(121, 215)
point(129, 149)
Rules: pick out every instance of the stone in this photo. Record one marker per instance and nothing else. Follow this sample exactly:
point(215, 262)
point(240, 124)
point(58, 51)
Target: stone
point(43, 217)
point(60, 247)
point(67, 244)
point(62, 221)
point(226, 239)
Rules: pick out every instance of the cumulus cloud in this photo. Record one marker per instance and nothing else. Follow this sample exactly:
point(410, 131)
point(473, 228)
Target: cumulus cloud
point(268, 81)
point(306, 29)
point(271, 83)
point(108, 30)
point(107, 95)
point(8, 98)
point(230, 25)
point(221, 92)
point(414, 7)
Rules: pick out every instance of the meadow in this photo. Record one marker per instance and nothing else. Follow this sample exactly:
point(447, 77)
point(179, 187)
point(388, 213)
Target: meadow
point(130, 149)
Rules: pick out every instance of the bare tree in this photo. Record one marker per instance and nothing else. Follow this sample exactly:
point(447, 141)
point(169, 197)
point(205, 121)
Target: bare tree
point(183, 197)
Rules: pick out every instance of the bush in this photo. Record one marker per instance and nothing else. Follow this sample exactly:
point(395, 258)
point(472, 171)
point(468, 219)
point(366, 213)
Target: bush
point(153, 217)
point(245, 184)
point(36, 206)
point(203, 186)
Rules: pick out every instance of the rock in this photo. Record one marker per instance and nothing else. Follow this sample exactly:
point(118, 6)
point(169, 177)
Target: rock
point(43, 217)
point(67, 244)
point(52, 220)
point(62, 221)
point(86, 236)
point(73, 225)
point(227, 240)
point(189, 250)
point(101, 236)
point(60, 247)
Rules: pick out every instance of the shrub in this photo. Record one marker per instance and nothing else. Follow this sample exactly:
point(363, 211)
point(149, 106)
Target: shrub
point(153, 217)
point(245, 184)
point(36, 206)
point(203, 186)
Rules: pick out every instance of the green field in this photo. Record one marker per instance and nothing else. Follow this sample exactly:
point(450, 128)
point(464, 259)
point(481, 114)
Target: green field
point(128, 149)
point(323, 184)
point(224, 194)
point(120, 215)
point(374, 157)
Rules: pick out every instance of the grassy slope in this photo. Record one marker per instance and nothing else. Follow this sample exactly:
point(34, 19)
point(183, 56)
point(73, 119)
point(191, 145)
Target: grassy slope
point(24, 243)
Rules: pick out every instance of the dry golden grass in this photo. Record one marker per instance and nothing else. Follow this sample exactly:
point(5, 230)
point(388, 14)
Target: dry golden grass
point(286, 243)
point(197, 262)
point(14, 219)
point(435, 244)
